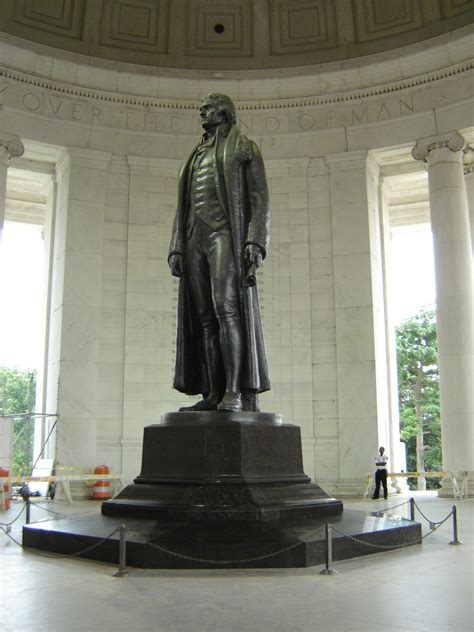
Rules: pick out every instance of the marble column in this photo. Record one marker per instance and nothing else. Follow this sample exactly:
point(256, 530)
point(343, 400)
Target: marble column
point(362, 380)
point(73, 355)
point(443, 156)
point(9, 148)
point(469, 182)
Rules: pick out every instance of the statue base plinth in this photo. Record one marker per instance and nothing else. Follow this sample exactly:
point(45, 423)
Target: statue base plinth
point(222, 466)
point(222, 490)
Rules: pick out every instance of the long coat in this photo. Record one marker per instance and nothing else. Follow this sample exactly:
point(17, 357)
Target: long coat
point(242, 191)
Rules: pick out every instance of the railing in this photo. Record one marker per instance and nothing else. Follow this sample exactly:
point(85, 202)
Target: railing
point(460, 491)
point(63, 480)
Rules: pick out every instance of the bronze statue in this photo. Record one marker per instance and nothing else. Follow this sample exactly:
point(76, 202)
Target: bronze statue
point(219, 239)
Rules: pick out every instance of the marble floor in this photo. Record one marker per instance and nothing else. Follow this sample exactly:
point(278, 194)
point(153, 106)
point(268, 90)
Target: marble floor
point(426, 587)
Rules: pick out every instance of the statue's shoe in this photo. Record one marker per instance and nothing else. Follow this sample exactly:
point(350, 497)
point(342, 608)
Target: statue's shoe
point(231, 401)
point(208, 403)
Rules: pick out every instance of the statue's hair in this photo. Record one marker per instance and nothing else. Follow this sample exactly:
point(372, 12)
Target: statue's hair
point(226, 106)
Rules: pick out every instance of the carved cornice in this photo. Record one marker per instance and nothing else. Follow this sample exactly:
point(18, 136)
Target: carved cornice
point(336, 98)
point(455, 142)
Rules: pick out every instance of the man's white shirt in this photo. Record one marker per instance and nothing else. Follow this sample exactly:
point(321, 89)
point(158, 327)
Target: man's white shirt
point(381, 461)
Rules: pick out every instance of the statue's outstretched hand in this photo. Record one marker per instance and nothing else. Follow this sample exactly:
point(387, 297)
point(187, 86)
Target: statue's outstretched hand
point(253, 256)
point(176, 264)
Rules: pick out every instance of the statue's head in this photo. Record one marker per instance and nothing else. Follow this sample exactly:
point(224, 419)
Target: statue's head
point(223, 104)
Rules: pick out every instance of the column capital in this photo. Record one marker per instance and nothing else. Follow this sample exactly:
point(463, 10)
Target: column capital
point(454, 142)
point(13, 147)
point(468, 160)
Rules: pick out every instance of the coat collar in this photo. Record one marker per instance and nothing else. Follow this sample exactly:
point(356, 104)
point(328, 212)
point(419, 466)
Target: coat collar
point(222, 131)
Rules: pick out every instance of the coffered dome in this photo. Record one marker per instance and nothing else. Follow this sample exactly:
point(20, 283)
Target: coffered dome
point(230, 34)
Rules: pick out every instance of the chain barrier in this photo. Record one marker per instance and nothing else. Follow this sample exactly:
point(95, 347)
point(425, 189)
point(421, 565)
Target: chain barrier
point(206, 561)
point(440, 522)
point(437, 525)
point(384, 547)
point(55, 513)
point(434, 525)
point(58, 555)
point(9, 524)
point(395, 506)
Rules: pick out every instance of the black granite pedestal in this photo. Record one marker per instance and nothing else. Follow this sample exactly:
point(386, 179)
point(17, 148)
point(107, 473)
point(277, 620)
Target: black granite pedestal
point(224, 467)
point(222, 490)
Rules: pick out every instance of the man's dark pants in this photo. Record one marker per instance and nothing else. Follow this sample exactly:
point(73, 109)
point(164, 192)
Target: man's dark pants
point(213, 284)
point(380, 477)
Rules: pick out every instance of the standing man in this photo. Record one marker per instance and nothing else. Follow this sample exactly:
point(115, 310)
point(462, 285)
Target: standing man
point(219, 239)
point(381, 461)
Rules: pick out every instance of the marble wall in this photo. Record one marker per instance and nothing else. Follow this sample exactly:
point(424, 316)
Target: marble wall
point(117, 139)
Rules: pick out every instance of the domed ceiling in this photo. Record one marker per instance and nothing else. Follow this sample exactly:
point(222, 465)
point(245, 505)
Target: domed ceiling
point(230, 34)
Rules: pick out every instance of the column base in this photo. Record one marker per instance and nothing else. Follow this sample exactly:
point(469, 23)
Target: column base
point(463, 485)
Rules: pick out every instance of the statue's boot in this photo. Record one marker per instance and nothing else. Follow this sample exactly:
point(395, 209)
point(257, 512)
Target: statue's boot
point(214, 370)
point(232, 350)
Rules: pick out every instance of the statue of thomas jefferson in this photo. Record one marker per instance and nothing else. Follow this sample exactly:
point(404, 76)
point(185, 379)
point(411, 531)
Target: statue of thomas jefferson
point(219, 239)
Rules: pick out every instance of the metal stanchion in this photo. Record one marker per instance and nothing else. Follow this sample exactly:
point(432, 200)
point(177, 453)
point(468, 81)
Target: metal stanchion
point(455, 527)
point(412, 509)
point(328, 570)
point(122, 570)
point(28, 511)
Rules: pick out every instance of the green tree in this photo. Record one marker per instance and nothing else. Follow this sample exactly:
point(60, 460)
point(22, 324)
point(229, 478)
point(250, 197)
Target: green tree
point(418, 389)
point(17, 396)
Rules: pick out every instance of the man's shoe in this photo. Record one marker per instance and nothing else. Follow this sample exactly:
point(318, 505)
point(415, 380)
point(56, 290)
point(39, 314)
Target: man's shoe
point(373, 497)
point(231, 401)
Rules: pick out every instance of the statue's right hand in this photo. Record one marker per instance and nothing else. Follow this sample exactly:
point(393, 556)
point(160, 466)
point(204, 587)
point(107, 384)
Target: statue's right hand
point(176, 264)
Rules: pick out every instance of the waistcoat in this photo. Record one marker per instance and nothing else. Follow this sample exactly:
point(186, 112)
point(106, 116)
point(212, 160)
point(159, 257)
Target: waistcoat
point(203, 201)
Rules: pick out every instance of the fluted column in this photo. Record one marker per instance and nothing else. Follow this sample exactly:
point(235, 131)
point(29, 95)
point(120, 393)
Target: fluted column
point(453, 270)
point(9, 148)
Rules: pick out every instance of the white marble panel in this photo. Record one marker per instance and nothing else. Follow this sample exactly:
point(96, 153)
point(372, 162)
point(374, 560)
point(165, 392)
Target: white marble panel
point(110, 409)
point(80, 334)
point(358, 455)
point(76, 441)
point(78, 389)
point(110, 390)
point(112, 319)
point(82, 280)
point(110, 372)
point(353, 280)
point(350, 228)
point(113, 300)
point(356, 390)
point(115, 230)
point(355, 334)
point(87, 184)
point(111, 353)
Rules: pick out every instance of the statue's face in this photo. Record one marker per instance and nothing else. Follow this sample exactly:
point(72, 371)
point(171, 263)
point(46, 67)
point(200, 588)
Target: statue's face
point(210, 114)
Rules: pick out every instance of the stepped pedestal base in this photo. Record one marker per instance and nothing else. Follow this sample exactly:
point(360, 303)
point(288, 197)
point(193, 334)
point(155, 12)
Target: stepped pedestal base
point(222, 467)
point(220, 489)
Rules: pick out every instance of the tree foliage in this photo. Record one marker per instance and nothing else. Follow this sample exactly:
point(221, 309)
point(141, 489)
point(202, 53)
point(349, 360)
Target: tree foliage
point(17, 396)
point(418, 387)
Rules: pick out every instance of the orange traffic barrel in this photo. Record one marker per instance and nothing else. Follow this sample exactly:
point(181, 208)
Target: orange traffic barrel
point(101, 489)
point(6, 490)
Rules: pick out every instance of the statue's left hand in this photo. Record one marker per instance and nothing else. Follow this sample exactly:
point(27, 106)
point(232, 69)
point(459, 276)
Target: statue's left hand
point(253, 256)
